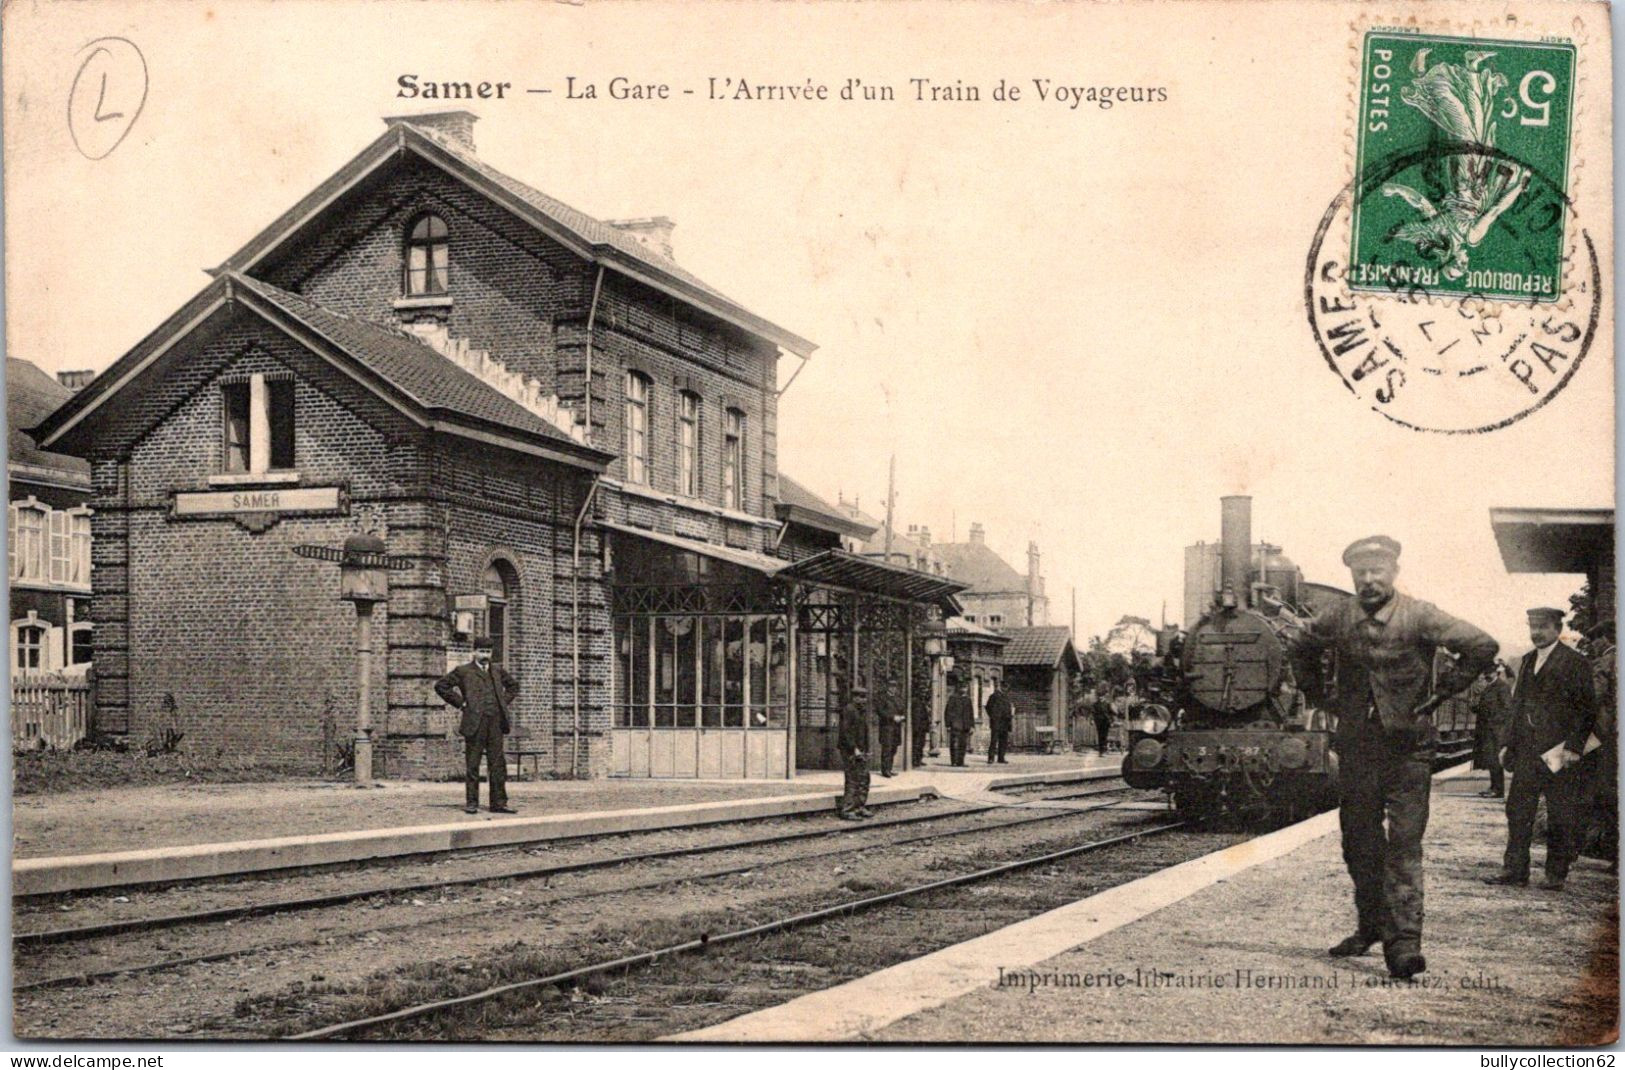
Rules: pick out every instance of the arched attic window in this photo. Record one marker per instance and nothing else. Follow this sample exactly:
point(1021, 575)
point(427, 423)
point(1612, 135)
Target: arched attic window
point(428, 257)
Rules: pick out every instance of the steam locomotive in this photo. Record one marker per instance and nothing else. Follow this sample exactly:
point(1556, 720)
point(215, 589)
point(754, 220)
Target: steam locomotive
point(1229, 727)
point(1239, 732)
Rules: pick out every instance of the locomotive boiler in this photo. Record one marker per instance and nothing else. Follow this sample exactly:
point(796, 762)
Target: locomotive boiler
point(1241, 733)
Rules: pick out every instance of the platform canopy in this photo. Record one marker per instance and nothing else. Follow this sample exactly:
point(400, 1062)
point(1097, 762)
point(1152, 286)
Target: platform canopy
point(1554, 540)
point(837, 568)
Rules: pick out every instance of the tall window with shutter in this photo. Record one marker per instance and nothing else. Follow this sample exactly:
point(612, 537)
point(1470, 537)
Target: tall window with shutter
point(733, 459)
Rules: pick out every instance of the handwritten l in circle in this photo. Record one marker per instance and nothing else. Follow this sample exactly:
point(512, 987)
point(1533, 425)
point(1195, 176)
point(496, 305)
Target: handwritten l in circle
point(109, 91)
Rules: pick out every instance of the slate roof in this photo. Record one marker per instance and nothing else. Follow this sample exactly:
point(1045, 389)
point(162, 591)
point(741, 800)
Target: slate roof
point(799, 503)
point(32, 394)
point(1043, 645)
point(600, 241)
point(979, 568)
point(411, 365)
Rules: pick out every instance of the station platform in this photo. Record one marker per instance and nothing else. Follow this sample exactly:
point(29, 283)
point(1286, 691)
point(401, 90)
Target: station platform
point(1231, 949)
point(81, 840)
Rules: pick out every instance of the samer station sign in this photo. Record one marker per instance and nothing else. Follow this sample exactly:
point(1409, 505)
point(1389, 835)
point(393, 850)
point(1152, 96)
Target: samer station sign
point(257, 508)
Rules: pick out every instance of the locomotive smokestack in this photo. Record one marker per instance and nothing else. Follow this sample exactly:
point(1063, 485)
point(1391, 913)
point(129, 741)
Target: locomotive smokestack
point(1235, 544)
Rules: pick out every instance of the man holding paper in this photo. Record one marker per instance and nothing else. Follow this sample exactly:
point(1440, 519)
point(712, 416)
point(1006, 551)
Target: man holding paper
point(1554, 707)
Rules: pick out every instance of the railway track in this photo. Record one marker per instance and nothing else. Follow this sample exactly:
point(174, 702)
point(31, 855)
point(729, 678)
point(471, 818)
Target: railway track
point(708, 941)
point(78, 934)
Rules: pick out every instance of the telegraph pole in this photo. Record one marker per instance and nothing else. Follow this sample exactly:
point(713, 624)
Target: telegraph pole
point(891, 496)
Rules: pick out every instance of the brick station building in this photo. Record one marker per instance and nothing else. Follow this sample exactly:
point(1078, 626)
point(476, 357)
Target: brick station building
point(568, 439)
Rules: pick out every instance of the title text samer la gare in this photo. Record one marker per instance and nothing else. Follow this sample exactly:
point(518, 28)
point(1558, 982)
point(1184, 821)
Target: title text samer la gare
point(1046, 91)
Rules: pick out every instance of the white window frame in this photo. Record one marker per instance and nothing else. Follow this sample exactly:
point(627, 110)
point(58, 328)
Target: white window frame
point(688, 444)
point(733, 460)
point(67, 652)
point(42, 649)
point(79, 536)
point(29, 556)
point(636, 418)
point(259, 426)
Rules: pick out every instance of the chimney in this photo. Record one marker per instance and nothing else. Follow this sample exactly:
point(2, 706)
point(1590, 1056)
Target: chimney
point(456, 127)
point(925, 535)
point(976, 534)
point(1032, 566)
point(1235, 545)
point(75, 380)
point(652, 231)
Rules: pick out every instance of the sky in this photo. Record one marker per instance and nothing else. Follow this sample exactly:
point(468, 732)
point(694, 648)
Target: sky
point(1077, 326)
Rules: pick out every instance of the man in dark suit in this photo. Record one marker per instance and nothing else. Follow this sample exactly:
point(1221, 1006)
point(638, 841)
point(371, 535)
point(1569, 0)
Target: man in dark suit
point(1102, 716)
point(959, 718)
point(1000, 719)
point(483, 692)
point(1554, 707)
point(1386, 643)
point(889, 712)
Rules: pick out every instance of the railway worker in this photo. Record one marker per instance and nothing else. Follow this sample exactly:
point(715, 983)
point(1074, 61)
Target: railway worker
point(1554, 709)
point(853, 744)
point(1000, 719)
point(1385, 643)
point(922, 731)
point(484, 693)
point(1102, 714)
point(890, 714)
point(1492, 711)
point(959, 717)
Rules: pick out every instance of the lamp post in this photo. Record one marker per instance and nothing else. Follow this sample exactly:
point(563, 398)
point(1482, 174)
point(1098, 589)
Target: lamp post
point(363, 581)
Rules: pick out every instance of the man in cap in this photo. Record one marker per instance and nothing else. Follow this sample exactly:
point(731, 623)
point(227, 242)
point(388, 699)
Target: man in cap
point(853, 744)
point(483, 692)
point(1605, 795)
point(1554, 708)
point(1385, 643)
point(889, 713)
point(959, 717)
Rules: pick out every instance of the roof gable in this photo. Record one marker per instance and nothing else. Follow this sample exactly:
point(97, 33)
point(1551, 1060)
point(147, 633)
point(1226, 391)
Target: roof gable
point(402, 370)
point(798, 504)
point(1044, 645)
point(976, 565)
point(32, 394)
point(591, 239)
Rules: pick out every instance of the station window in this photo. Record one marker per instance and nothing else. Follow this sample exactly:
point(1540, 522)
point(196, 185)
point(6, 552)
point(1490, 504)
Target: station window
point(688, 445)
point(428, 257)
point(80, 645)
point(733, 458)
point(29, 649)
point(637, 428)
point(258, 421)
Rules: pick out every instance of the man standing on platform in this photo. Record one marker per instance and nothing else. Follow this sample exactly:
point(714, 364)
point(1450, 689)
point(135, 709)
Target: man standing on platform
point(922, 727)
point(959, 718)
point(890, 713)
point(1554, 708)
point(1385, 644)
point(853, 743)
point(483, 692)
point(1000, 719)
point(1491, 700)
point(1103, 721)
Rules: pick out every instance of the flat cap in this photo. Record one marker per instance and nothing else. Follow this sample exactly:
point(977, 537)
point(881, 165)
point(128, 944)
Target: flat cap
point(1371, 546)
point(1547, 613)
point(484, 642)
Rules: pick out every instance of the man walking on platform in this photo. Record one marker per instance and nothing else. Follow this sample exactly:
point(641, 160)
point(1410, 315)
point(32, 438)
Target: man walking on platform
point(1000, 719)
point(483, 692)
point(1554, 708)
point(959, 718)
point(853, 744)
point(1386, 644)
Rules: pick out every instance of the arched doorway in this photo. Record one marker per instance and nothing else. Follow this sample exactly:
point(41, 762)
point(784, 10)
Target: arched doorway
point(500, 584)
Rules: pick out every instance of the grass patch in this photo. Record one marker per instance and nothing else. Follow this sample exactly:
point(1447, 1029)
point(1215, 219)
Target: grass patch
point(42, 772)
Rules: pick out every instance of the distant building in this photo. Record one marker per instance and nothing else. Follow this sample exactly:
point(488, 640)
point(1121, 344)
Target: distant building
point(978, 659)
point(997, 596)
point(47, 533)
point(1040, 667)
point(911, 548)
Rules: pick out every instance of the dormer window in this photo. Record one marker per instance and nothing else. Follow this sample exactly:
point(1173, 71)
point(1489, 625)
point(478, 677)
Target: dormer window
point(428, 257)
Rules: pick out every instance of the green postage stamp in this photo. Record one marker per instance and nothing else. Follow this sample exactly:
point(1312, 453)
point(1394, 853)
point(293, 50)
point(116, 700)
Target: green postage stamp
point(1462, 171)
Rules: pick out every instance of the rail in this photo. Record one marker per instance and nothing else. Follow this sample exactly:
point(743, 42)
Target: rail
point(48, 711)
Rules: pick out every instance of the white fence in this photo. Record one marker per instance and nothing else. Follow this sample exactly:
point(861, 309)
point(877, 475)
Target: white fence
point(48, 711)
